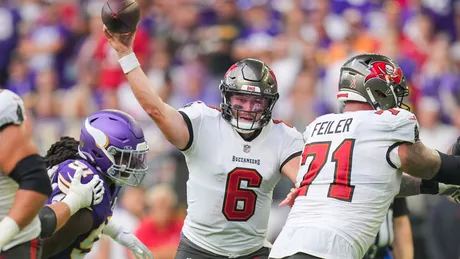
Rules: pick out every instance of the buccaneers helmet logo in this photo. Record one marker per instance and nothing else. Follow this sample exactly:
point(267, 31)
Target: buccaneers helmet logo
point(385, 71)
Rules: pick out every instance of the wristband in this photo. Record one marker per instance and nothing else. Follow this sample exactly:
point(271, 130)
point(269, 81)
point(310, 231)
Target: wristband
point(8, 229)
point(129, 62)
point(111, 230)
point(73, 202)
point(449, 171)
point(429, 187)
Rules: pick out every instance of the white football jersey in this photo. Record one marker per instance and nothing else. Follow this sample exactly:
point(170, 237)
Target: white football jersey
point(231, 181)
point(12, 112)
point(348, 182)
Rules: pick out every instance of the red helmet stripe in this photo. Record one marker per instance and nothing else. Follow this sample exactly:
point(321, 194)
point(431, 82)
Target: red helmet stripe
point(230, 69)
point(273, 75)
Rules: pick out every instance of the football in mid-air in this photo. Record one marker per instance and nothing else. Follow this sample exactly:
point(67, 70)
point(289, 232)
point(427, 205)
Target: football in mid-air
point(121, 16)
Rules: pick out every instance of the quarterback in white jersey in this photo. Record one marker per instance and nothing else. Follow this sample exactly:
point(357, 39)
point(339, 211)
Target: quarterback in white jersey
point(235, 156)
point(231, 181)
point(352, 165)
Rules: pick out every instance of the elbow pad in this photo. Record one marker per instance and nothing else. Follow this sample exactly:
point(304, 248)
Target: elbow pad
point(48, 221)
point(449, 171)
point(30, 173)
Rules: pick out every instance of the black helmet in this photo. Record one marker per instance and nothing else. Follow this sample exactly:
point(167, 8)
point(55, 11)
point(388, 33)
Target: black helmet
point(374, 79)
point(249, 77)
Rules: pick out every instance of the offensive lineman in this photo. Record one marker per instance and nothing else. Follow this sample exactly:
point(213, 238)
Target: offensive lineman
point(234, 154)
point(352, 165)
point(24, 184)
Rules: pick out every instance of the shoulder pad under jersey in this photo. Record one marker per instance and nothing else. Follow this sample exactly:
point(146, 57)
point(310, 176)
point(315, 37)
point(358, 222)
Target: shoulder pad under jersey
point(11, 109)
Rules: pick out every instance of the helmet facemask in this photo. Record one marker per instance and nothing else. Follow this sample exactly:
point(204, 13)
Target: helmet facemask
point(243, 120)
point(128, 166)
point(401, 92)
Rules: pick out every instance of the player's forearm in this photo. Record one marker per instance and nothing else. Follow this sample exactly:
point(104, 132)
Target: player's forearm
point(168, 119)
point(26, 206)
point(405, 251)
point(62, 212)
point(81, 222)
point(403, 246)
point(145, 93)
point(409, 186)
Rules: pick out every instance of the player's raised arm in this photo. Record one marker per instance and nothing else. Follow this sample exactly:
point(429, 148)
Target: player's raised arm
point(168, 119)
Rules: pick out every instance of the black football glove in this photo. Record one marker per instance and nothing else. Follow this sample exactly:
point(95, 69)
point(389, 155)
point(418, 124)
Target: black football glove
point(456, 148)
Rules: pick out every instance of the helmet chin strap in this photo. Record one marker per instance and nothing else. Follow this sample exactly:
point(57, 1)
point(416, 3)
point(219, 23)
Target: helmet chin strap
point(244, 131)
point(374, 104)
point(244, 127)
point(394, 94)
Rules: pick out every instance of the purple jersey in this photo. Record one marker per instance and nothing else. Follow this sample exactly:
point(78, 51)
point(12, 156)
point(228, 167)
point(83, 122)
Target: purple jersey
point(101, 213)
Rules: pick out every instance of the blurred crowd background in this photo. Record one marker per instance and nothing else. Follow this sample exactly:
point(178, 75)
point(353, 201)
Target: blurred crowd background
point(54, 55)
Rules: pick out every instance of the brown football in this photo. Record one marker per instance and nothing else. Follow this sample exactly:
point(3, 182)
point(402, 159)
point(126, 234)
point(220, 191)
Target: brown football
point(121, 16)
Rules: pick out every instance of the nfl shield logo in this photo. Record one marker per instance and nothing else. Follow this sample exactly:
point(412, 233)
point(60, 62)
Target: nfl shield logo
point(247, 148)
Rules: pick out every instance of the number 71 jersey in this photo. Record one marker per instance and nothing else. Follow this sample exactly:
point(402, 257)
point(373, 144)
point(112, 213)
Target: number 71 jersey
point(348, 176)
point(231, 181)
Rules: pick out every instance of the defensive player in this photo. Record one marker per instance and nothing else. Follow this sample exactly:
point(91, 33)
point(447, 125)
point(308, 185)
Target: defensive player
point(111, 147)
point(235, 156)
point(352, 165)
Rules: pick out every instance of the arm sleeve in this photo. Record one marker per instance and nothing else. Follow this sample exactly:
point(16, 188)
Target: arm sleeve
point(400, 207)
point(193, 117)
point(404, 126)
point(292, 145)
point(404, 129)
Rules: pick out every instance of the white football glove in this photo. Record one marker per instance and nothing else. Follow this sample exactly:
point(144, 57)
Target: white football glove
point(8, 230)
point(84, 195)
point(127, 239)
point(450, 190)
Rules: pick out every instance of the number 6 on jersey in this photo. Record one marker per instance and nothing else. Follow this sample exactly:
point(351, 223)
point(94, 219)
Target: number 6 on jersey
point(240, 203)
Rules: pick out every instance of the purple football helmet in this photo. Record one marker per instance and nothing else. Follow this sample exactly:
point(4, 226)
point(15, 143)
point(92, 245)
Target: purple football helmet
point(114, 141)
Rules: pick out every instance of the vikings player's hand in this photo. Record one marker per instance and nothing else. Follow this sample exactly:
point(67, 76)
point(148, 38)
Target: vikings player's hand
point(83, 195)
point(290, 198)
point(122, 43)
point(127, 239)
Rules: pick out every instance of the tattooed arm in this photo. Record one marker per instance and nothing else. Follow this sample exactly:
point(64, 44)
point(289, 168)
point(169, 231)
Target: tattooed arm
point(422, 162)
point(409, 186)
point(418, 160)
